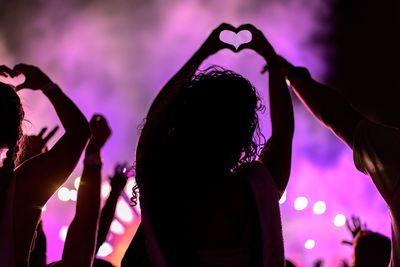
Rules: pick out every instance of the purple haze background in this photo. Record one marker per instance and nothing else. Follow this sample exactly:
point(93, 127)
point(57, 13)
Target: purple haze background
point(112, 57)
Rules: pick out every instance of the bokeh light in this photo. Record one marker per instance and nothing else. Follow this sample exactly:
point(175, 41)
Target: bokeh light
point(63, 232)
point(124, 211)
point(319, 207)
point(339, 220)
point(63, 194)
point(309, 244)
point(105, 250)
point(117, 228)
point(300, 203)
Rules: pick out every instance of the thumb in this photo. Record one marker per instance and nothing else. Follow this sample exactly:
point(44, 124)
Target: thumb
point(21, 86)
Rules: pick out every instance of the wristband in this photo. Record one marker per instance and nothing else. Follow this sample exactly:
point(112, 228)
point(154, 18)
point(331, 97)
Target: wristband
point(93, 160)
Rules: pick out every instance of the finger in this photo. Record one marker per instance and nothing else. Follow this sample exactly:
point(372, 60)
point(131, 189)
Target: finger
point(347, 242)
point(41, 133)
point(249, 27)
point(21, 86)
point(228, 46)
point(5, 71)
point(245, 46)
point(226, 26)
point(51, 134)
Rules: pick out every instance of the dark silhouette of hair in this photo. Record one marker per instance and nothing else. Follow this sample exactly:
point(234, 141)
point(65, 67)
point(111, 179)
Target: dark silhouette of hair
point(11, 116)
point(215, 117)
point(372, 249)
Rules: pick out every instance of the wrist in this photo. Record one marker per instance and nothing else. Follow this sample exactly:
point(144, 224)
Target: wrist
point(93, 160)
point(50, 87)
point(298, 72)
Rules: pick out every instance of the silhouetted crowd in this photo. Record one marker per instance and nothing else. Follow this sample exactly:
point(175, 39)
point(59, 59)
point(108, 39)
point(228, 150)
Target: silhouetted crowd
point(208, 181)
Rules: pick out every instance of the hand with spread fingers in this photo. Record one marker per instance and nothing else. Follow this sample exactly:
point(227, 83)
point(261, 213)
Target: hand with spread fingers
point(6, 71)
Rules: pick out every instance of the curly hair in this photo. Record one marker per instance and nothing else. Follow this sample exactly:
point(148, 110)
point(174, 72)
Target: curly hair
point(11, 116)
point(220, 106)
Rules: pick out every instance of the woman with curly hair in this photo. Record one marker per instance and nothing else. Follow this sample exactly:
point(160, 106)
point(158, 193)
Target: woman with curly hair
point(207, 197)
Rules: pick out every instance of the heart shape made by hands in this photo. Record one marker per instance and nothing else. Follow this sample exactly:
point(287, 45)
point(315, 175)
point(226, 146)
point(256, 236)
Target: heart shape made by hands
point(235, 38)
point(12, 79)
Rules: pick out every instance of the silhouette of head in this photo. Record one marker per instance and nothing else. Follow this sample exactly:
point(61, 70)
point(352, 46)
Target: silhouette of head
point(214, 119)
point(11, 116)
point(371, 249)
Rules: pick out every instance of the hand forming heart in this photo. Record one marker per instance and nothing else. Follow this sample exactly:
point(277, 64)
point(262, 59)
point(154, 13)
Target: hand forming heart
point(235, 38)
point(11, 77)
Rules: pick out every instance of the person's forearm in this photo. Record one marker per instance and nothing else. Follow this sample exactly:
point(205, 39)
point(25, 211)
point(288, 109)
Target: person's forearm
point(80, 243)
point(174, 85)
point(280, 102)
point(106, 217)
point(72, 119)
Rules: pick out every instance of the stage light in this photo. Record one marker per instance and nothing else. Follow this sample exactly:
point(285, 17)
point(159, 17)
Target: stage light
point(105, 250)
point(77, 182)
point(63, 194)
point(117, 227)
point(63, 232)
point(283, 198)
point(309, 244)
point(105, 189)
point(340, 220)
point(301, 203)
point(124, 211)
point(319, 207)
point(73, 195)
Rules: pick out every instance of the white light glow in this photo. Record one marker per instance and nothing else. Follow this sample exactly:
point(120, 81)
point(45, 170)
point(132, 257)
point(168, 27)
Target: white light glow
point(63, 194)
point(73, 195)
point(301, 203)
point(105, 250)
point(340, 220)
point(77, 182)
point(44, 208)
point(117, 227)
point(319, 207)
point(283, 198)
point(309, 244)
point(105, 189)
point(63, 232)
point(129, 185)
point(124, 211)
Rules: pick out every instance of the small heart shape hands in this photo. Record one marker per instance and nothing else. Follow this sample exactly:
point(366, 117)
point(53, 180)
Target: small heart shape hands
point(10, 77)
point(236, 38)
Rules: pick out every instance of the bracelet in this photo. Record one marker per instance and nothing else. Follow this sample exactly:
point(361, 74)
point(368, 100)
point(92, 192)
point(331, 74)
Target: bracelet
point(298, 72)
point(50, 86)
point(93, 160)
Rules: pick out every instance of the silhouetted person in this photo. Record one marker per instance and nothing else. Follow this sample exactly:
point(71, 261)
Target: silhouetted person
point(28, 188)
point(205, 198)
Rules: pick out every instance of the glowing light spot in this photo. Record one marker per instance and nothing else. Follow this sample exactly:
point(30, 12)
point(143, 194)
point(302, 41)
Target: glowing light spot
point(73, 194)
point(63, 194)
point(283, 198)
point(63, 232)
point(105, 250)
point(339, 220)
point(129, 185)
point(301, 203)
point(105, 189)
point(124, 211)
point(44, 208)
point(77, 182)
point(117, 227)
point(319, 207)
point(309, 244)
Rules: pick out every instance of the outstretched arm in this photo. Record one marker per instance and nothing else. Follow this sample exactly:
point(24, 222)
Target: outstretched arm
point(211, 46)
point(277, 153)
point(39, 177)
point(62, 158)
point(118, 182)
point(327, 105)
point(79, 248)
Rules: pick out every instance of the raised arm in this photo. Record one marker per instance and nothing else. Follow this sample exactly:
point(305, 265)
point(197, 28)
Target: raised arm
point(39, 177)
point(277, 153)
point(118, 182)
point(326, 104)
point(211, 46)
point(62, 158)
point(80, 243)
